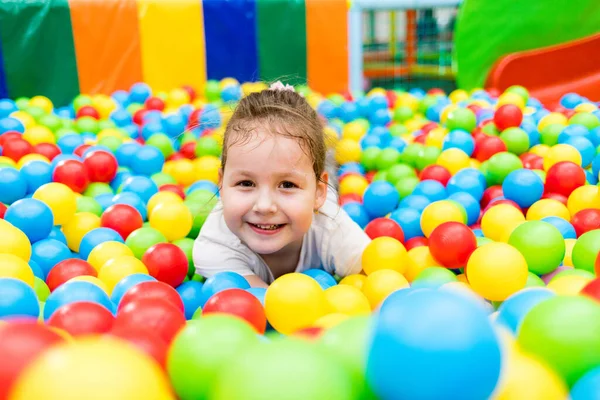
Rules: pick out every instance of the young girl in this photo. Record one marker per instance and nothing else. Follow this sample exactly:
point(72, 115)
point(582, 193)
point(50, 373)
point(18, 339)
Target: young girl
point(276, 215)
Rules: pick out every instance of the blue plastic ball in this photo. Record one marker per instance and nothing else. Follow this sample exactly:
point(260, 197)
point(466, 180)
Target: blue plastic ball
point(398, 143)
point(210, 117)
point(415, 201)
point(585, 148)
point(127, 283)
point(133, 200)
point(466, 182)
point(459, 139)
point(17, 299)
point(431, 189)
point(221, 281)
point(121, 97)
point(174, 125)
point(31, 216)
point(203, 185)
point(380, 117)
point(380, 198)
point(71, 292)
point(121, 117)
point(36, 173)
point(570, 100)
point(57, 234)
point(564, 226)
point(409, 220)
point(349, 111)
point(328, 109)
point(469, 203)
point(351, 167)
point(13, 185)
point(357, 212)
point(96, 236)
point(143, 186)
point(191, 295)
point(147, 161)
point(514, 309)
point(69, 142)
point(370, 141)
point(49, 252)
point(7, 107)
point(126, 152)
point(427, 333)
point(122, 175)
point(11, 124)
point(323, 278)
point(523, 186)
point(231, 93)
point(259, 293)
point(105, 200)
point(587, 387)
point(139, 92)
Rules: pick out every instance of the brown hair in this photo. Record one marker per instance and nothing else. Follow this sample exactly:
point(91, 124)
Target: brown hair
point(287, 113)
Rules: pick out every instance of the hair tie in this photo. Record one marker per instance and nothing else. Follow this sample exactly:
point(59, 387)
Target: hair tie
point(280, 86)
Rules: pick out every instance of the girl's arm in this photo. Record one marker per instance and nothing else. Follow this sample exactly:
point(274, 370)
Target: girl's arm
point(255, 281)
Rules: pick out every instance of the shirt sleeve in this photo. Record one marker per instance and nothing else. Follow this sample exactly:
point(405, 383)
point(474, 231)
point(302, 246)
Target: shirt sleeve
point(212, 257)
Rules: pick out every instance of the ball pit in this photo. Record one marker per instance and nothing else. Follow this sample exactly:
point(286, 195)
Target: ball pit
point(483, 210)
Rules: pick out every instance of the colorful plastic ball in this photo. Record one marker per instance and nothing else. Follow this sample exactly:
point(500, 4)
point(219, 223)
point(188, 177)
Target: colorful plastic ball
point(433, 278)
point(488, 146)
point(16, 149)
point(431, 189)
point(469, 203)
point(586, 220)
point(348, 300)
point(222, 281)
point(523, 186)
point(122, 218)
point(167, 263)
point(155, 314)
point(78, 227)
point(380, 284)
point(95, 237)
point(582, 198)
point(61, 200)
point(172, 219)
point(404, 346)
point(547, 208)
point(561, 152)
point(564, 227)
point(142, 186)
point(564, 177)
point(145, 340)
point(31, 216)
point(461, 118)
point(151, 290)
point(384, 253)
point(114, 361)
point(140, 240)
point(467, 182)
point(239, 303)
point(436, 173)
point(147, 161)
point(36, 174)
point(67, 270)
point(499, 221)
point(14, 241)
point(496, 270)
point(453, 159)
point(357, 212)
point(12, 185)
point(74, 291)
point(512, 310)
point(202, 348)
point(451, 243)
point(49, 252)
point(439, 212)
point(323, 278)
point(82, 318)
point(190, 293)
point(586, 250)
point(101, 166)
point(21, 342)
point(127, 283)
point(72, 173)
point(118, 268)
point(380, 198)
point(508, 116)
point(409, 220)
point(569, 282)
point(587, 387)
point(500, 165)
point(384, 227)
point(17, 297)
point(559, 330)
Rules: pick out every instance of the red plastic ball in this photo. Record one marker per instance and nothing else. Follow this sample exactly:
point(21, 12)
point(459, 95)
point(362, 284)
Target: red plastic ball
point(592, 289)
point(586, 220)
point(72, 173)
point(8, 136)
point(158, 315)
point(176, 156)
point(194, 118)
point(597, 265)
point(391, 98)
point(384, 227)
point(436, 173)
point(152, 290)
point(491, 193)
point(487, 146)
point(171, 187)
point(48, 150)
point(188, 150)
point(312, 333)
point(81, 149)
point(82, 318)
point(416, 242)
point(240, 303)
point(370, 176)
point(420, 138)
point(532, 161)
point(68, 269)
point(190, 91)
point(102, 166)
point(2, 210)
point(138, 116)
point(154, 103)
point(508, 116)
point(145, 340)
point(556, 196)
point(15, 149)
point(452, 243)
point(350, 198)
point(20, 344)
point(87, 111)
point(122, 218)
point(167, 263)
point(428, 127)
point(564, 177)
point(496, 202)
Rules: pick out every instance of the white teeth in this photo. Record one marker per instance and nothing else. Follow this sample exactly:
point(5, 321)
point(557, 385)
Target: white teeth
point(267, 227)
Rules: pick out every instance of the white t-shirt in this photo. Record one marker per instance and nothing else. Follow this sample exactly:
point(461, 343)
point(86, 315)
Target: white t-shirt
point(334, 243)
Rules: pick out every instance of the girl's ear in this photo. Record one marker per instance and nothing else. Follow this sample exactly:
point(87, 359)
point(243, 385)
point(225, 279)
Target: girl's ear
point(220, 177)
point(321, 194)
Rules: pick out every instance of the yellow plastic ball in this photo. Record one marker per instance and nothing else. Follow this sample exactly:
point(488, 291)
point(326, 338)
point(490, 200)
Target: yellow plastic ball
point(384, 253)
point(228, 82)
point(178, 97)
point(583, 197)
point(548, 208)
point(435, 137)
point(420, 258)
point(458, 95)
point(413, 125)
point(8, 161)
point(42, 102)
point(354, 131)
point(104, 104)
point(118, 268)
point(551, 119)
point(26, 159)
point(353, 184)
point(347, 150)
point(293, 302)
point(14, 241)
point(355, 280)
point(94, 367)
point(78, 226)
point(561, 152)
point(207, 168)
point(348, 300)
point(91, 279)
point(105, 251)
point(174, 220)
point(510, 98)
point(437, 213)
point(462, 278)
point(162, 197)
point(330, 320)
point(474, 163)
point(526, 377)
point(61, 200)
point(110, 132)
point(497, 270)
point(407, 100)
point(12, 266)
point(446, 111)
point(39, 134)
point(453, 160)
point(184, 172)
point(569, 244)
point(568, 285)
point(27, 120)
point(380, 284)
point(585, 107)
point(499, 221)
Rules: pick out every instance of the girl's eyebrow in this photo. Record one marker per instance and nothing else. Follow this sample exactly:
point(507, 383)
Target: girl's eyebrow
point(280, 175)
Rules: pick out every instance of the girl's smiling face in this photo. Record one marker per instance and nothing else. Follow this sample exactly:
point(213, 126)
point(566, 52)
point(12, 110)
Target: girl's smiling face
point(269, 192)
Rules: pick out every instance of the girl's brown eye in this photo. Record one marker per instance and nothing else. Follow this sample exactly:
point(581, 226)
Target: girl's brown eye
point(245, 183)
point(288, 185)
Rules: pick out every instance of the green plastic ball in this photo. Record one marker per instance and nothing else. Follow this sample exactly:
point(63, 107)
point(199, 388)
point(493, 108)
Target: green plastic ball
point(50, 121)
point(41, 289)
point(406, 186)
point(380, 176)
point(519, 90)
point(88, 204)
point(22, 103)
point(95, 189)
point(433, 278)
point(187, 246)
point(337, 99)
point(549, 135)
point(142, 239)
point(427, 157)
point(490, 129)
point(162, 142)
point(387, 158)
point(207, 146)
point(87, 124)
point(402, 114)
point(212, 90)
point(399, 172)
point(369, 157)
point(542, 245)
point(563, 332)
point(81, 100)
point(106, 124)
point(586, 250)
point(574, 271)
point(205, 349)
point(586, 119)
point(200, 203)
point(411, 153)
point(161, 178)
point(534, 281)
point(186, 137)
point(461, 118)
point(481, 240)
point(516, 140)
point(427, 102)
point(112, 142)
point(35, 112)
point(133, 107)
point(398, 130)
point(502, 164)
